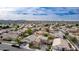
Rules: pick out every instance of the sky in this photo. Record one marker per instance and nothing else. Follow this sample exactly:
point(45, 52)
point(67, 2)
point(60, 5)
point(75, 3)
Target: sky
point(40, 13)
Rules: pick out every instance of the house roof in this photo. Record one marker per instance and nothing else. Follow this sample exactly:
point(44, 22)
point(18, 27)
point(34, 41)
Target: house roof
point(60, 42)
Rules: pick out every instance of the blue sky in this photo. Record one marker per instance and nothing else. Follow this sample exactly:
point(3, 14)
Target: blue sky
point(40, 13)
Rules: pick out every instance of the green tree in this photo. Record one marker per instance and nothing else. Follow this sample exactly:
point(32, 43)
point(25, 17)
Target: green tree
point(74, 39)
point(50, 37)
point(18, 40)
point(66, 33)
point(76, 24)
point(29, 31)
point(64, 37)
point(46, 34)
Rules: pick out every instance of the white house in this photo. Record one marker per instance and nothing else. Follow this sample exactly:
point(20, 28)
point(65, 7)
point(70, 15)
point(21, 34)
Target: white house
point(60, 45)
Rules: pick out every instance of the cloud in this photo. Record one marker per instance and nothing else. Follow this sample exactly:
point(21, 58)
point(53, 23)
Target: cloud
point(40, 13)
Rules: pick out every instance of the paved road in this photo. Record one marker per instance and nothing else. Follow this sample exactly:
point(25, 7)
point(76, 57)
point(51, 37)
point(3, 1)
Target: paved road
point(74, 46)
point(4, 46)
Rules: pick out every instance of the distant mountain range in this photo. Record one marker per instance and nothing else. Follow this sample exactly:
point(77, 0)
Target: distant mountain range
point(26, 22)
point(12, 21)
